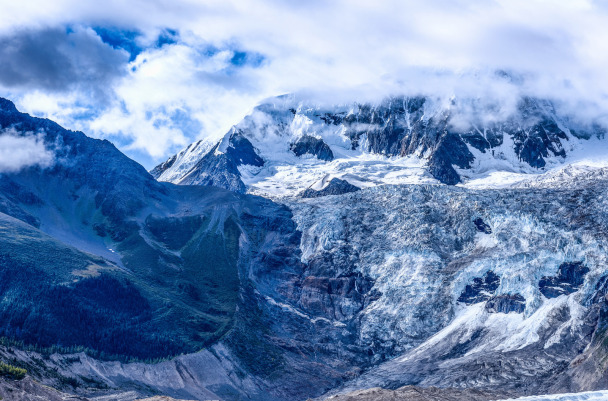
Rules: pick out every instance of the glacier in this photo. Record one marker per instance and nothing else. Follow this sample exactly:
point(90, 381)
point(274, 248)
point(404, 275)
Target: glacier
point(519, 177)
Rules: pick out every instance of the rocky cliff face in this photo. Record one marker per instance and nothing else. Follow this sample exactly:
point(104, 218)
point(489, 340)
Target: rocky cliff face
point(309, 145)
point(335, 186)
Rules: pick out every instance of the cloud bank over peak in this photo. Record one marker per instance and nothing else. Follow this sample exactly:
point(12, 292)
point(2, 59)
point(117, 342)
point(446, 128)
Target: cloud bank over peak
point(153, 76)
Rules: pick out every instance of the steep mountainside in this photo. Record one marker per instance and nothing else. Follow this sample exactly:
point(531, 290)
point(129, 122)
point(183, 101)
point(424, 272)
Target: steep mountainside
point(108, 276)
point(97, 255)
point(99, 201)
point(399, 140)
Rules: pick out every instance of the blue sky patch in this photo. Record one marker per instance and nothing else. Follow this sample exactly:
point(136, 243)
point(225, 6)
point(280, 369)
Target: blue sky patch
point(250, 59)
point(120, 39)
point(167, 37)
point(128, 40)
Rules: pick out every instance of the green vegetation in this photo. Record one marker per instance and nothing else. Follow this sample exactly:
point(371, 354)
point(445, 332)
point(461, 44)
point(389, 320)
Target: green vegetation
point(171, 301)
point(12, 372)
point(46, 352)
point(249, 339)
point(65, 381)
point(102, 313)
point(199, 288)
point(174, 232)
point(29, 246)
point(37, 369)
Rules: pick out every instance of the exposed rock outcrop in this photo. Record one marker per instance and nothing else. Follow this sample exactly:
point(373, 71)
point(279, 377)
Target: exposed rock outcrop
point(482, 226)
point(506, 304)
point(570, 277)
point(335, 187)
point(157, 171)
point(217, 170)
point(338, 298)
point(481, 289)
point(313, 146)
point(30, 390)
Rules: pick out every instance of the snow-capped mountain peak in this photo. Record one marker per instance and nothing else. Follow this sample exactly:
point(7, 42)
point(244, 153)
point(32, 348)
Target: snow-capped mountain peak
point(400, 140)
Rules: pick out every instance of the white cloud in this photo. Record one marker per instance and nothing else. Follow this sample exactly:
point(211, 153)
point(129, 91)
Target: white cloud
point(18, 152)
point(168, 86)
point(338, 51)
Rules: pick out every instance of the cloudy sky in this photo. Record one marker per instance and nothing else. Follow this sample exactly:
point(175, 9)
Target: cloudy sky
point(154, 75)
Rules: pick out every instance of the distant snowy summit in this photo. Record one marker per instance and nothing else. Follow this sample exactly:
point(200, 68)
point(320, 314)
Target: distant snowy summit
point(285, 146)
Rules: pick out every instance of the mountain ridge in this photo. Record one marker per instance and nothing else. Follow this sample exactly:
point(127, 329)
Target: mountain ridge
point(429, 141)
